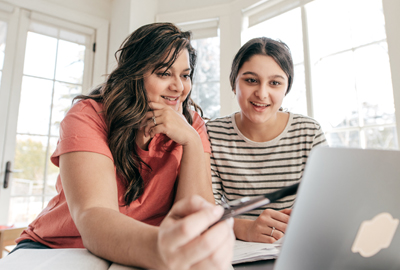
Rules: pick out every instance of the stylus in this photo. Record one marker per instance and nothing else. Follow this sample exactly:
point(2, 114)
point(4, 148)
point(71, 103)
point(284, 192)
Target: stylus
point(246, 204)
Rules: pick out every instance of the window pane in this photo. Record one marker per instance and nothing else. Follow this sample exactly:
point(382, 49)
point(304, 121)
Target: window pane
point(70, 59)
point(338, 25)
point(30, 157)
point(35, 106)
point(207, 96)
point(206, 88)
point(24, 210)
point(52, 170)
point(285, 27)
point(63, 95)
point(374, 84)
point(344, 139)
point(381, 138)
point(295, 101)
point(3, 34)
point(40, 55)
point(334, 93)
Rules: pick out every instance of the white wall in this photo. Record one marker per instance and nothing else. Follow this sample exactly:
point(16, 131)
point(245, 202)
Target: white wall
point(126, 17)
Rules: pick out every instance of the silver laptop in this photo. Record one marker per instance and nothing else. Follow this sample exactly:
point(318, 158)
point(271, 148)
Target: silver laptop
point(346, 215)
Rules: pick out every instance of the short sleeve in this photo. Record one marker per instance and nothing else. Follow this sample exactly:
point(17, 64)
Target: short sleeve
point(200, 126)
point(83, 130)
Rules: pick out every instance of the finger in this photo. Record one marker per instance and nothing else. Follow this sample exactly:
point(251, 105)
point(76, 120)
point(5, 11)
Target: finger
point(264, 238)
point(206, 245)
point(287, 211)
point(156, 106)
point(190, 227)
point(275, 233)
point(146, 120)
point(180, 110)
point(221, 258)
point(282, 217)
point(188, 206)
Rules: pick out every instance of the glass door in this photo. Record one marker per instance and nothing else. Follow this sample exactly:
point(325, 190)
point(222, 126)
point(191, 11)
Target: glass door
point(56, 67)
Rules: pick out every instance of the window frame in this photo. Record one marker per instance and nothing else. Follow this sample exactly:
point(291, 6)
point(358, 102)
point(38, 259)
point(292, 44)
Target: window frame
point(270, 9)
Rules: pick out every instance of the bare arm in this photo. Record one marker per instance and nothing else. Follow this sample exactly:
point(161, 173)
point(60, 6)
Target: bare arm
point(90, 187)
point(182, 239)
point(195, 174)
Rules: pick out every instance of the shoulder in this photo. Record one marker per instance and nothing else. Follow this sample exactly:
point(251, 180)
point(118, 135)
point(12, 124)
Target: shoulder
point(198, 122)
point(87, 106)
point(84, 115)
point(302, 121)
point(224, 122)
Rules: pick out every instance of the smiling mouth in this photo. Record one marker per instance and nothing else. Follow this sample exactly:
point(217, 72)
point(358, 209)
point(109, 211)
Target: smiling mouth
point(259, 104)
point(170, 98)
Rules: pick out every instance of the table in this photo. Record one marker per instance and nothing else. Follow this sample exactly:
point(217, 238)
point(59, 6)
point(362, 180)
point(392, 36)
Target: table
point(82, 259)
point(8, 236)
point(260, 265)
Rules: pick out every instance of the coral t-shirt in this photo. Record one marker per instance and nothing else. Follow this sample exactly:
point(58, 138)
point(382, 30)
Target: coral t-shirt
point(84, 129)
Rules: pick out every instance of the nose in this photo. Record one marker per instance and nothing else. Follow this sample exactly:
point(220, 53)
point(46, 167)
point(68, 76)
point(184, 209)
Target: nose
point(262, 92)
point(176, 84)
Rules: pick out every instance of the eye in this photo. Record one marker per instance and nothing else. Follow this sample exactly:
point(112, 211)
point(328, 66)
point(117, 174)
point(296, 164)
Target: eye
point(186, 76)
point(163, 74)
point(276, 83)
point(251, 80)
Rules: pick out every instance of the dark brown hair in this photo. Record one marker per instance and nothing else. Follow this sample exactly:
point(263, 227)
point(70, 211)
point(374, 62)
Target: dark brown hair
point(124, 96)
point(264, 46)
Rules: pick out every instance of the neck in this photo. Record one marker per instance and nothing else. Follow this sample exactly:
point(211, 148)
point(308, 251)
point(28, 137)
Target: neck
point(262, 132)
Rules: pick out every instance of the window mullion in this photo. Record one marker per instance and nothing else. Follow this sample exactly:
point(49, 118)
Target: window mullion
point(307, 63)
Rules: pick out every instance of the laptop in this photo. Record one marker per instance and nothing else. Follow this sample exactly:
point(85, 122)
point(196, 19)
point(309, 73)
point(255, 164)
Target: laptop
point(347, 212)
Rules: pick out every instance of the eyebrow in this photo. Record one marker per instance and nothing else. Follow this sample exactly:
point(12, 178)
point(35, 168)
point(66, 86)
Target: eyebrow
point(270, 77)
point(187, 69)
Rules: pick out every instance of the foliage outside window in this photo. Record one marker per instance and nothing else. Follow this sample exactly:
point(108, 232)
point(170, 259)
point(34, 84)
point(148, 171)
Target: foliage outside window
point(206, 86)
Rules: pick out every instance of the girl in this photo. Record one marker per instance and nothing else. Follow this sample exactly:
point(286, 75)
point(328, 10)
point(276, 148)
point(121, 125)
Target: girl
point(127, 153)
point(261, 148)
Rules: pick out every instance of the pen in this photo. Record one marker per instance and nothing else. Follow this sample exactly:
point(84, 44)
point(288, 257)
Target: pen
point(246, 204)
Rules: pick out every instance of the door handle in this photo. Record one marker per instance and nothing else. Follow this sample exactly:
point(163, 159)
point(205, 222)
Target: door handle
point(7, 174)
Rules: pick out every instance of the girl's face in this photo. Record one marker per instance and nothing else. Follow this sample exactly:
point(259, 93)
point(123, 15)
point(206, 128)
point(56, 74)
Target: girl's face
point(260, 88)
point(170, 86)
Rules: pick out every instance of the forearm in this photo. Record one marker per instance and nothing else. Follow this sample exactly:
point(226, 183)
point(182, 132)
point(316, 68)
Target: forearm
point(118, 238)
point(195, 174)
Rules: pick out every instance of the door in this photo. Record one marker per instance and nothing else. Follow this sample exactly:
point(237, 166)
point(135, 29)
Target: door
point(52, 63)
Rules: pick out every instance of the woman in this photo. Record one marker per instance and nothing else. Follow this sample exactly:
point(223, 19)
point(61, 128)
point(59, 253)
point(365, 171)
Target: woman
point(261, 148)
point(127, 153)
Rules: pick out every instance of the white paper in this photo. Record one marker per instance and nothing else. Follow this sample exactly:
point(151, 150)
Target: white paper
point(50, 259)
point(251, 251)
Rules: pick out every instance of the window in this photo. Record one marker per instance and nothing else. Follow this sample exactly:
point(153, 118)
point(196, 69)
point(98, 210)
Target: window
point(53, 74)
point(3, 34)
point(287, 28)
point(341, 67)
point(206, 85)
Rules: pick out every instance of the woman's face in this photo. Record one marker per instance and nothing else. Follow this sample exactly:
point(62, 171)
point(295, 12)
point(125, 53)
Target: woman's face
point(170, 86)
point(260, 88)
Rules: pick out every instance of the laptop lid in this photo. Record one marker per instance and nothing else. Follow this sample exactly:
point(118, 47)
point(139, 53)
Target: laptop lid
point(347, 211)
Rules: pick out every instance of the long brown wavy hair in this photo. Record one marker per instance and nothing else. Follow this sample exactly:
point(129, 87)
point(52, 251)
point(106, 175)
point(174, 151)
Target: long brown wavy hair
point(124, 96)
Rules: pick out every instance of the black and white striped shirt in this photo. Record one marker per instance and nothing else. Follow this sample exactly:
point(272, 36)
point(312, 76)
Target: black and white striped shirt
point(241, 167)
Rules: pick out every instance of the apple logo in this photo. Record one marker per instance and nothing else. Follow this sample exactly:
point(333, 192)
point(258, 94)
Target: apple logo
point(375, 234)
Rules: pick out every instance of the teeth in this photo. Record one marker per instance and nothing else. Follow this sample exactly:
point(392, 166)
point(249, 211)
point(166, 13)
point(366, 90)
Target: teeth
point(259, 104)
point(171, 99)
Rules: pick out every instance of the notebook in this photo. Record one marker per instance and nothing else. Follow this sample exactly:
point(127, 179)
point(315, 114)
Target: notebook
point(347, 211)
